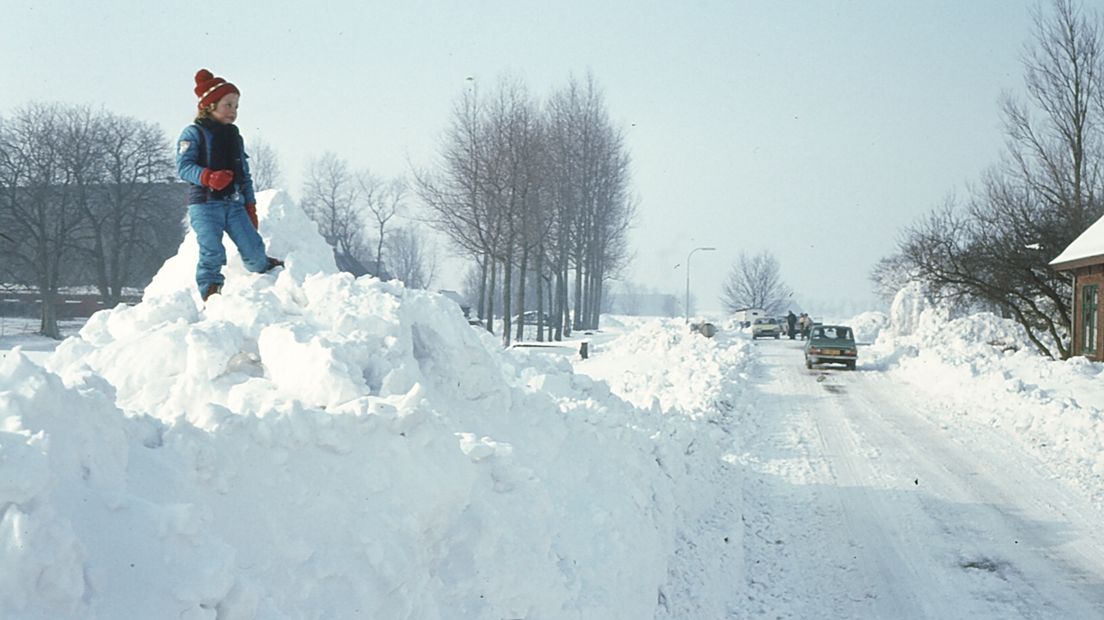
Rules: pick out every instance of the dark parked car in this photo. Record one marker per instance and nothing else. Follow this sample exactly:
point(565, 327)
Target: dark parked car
point(831, 344)
point(530, 318)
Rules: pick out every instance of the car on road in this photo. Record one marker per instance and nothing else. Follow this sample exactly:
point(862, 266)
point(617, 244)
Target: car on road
point(765, 327)
point(531, 317)
point(831, 344)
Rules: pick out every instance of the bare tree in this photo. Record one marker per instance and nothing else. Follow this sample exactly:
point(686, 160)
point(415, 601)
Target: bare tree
point(512, 185)
point(264, 166)
point(330, 198)
point(994, 249)
point(472, 283)
point(383, 200)
point(532, 193)
point(456, 200)
point(86, 200)
point(589, 190)
point(411, 258)
point(756, 282)
point(40, 211)
point(989, 253)
point(1055, 137)
point(890, 275)
point(129, 207)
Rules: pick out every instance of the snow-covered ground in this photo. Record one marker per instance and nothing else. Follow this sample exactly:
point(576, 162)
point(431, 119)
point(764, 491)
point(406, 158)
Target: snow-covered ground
point(23, 333)
point(983, 370)
point(313, 446)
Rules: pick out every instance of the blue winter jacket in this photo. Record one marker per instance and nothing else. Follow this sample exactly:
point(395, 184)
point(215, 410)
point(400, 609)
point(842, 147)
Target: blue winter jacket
point(189, 166)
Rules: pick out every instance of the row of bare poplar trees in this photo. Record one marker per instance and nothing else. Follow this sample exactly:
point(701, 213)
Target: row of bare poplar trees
point(531, 189)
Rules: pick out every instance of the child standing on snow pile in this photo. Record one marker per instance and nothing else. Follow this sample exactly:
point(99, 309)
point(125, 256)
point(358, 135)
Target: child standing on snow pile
point(211, 156)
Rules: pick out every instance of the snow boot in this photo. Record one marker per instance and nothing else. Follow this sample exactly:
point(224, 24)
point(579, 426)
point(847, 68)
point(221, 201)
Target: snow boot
point(272, 264)
point(212, 289)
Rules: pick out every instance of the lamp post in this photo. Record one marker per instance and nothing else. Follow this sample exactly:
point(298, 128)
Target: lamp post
point(688, 278)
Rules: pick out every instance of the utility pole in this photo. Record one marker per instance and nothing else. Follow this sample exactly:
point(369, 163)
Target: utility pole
point(688, 278)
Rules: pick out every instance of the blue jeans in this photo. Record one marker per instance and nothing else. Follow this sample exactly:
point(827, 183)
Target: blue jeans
point(209, 221)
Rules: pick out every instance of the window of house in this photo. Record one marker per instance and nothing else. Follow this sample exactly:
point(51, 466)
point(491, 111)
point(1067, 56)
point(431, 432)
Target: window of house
point(1089, 319)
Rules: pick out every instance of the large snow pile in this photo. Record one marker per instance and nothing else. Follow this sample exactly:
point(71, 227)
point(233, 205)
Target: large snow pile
point(310, 445)
point(867, 326)
point(663, 366)
point(698, 384)
point(985, 367)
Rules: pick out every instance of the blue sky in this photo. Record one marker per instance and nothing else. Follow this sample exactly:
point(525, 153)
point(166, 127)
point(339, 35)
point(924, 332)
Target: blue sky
point(813, 130)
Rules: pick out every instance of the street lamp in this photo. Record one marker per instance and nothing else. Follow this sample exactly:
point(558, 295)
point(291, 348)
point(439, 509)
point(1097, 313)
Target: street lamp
point(688, 278)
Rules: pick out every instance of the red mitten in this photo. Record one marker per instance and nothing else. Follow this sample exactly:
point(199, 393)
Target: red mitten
point(216, 179)
point(251, 211)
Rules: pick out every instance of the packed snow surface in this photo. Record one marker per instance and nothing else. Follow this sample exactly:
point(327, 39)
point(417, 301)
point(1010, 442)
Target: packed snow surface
point(313, 445)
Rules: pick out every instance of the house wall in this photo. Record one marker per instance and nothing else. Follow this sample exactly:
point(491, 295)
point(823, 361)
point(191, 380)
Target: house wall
point(1088, 276)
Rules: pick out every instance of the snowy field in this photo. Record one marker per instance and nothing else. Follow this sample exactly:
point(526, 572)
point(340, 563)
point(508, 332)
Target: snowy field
point(23, 333)
point(313, 446)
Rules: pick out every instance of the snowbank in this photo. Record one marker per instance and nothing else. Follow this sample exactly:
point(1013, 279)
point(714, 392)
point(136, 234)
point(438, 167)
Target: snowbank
point(985, 368)
point(310, 445)
point(867, 326)
point(698, 384)
point(662, 366)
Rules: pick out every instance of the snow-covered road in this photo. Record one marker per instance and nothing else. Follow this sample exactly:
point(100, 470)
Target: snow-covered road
point(860, 503)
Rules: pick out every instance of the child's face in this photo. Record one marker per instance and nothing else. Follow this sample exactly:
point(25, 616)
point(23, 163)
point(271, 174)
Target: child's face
point(226, 110)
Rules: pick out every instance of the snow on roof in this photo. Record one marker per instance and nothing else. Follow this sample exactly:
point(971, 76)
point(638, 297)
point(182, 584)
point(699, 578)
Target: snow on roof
point(1088, 245)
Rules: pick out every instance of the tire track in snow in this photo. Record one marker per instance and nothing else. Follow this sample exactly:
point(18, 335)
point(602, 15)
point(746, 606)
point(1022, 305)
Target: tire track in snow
point(1008, 517)
point(857, 505)
point(886, 533)
point(804, 555)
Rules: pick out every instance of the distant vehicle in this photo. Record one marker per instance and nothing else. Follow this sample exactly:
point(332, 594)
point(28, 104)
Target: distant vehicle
point(765, 327)
point(831, 344)
point(783, 326)
point(745, 316)
point(704, 328)
point(531, 317)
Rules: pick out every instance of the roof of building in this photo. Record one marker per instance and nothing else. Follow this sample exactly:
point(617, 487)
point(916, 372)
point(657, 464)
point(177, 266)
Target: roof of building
point(1086, 249)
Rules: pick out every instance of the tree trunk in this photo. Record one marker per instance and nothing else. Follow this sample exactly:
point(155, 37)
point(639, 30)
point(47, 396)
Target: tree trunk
point(491, 295)
point(565, 302)
point(521, 294)
point(595, 300)
point(540, 295)
point(48, 326)
point(576, 322)
point(507, 275)
point(379, 254)
point(549, 282)
point(482, 288)
point(555, 298)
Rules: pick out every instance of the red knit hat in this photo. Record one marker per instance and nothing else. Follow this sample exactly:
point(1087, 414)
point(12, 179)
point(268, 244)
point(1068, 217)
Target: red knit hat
point(210, 89)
